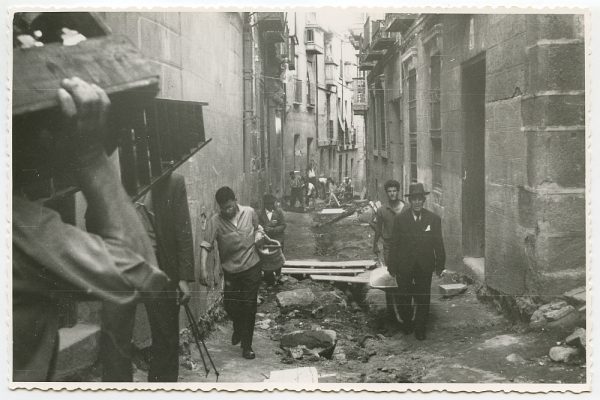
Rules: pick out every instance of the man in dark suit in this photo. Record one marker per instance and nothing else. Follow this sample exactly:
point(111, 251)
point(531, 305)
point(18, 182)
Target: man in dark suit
point(165, 213)
point(418, 251)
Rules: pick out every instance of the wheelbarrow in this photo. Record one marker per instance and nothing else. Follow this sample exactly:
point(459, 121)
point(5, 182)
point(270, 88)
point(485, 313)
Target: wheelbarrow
point(380, 278)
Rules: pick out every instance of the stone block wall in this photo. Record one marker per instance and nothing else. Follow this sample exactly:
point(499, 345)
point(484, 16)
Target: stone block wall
point(200, 56)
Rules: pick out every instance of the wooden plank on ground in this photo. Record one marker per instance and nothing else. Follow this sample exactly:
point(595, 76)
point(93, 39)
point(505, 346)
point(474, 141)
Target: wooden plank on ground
point(340, 278)
point(329, 264)
point(332, 211)
point(321, 271)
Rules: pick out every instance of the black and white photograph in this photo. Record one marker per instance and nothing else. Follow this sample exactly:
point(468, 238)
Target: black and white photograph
point(332, 198)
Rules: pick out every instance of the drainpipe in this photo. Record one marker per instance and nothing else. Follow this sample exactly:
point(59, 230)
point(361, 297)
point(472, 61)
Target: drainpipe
point(248, 103)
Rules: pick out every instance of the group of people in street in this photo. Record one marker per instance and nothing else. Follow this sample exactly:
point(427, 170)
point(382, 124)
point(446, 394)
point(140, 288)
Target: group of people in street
point(413, 249)
point(305, 189)
point(144, 253)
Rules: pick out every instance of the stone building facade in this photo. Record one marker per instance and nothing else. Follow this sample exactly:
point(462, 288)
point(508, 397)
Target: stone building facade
point(488, 111)
point(319, 123)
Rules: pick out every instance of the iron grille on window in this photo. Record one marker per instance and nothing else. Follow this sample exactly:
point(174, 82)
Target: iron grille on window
point(158, 139)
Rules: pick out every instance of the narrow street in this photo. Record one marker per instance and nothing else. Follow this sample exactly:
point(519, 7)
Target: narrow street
point(467, 340)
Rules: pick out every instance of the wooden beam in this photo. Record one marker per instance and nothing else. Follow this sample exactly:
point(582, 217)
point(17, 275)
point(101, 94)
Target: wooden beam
point(300, 271)
point(340, 278)
point(329, 264)
point(112, 62)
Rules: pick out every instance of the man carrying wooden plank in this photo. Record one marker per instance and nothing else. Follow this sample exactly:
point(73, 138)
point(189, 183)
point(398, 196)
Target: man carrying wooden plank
point(112, 261)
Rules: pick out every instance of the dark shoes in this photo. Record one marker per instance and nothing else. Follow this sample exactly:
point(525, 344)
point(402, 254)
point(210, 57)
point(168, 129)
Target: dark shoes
point(420, 334)
point(235, 338)
point(248, 353)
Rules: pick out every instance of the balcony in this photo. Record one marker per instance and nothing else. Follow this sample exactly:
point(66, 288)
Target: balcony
point(374, 55)
point(271, 21)
point(382, 40)
point(313, 40)
point(331, 74)
point(365, 65)
point(359, 98)
point(397, 22)
point(349, 72)
point(298, 91)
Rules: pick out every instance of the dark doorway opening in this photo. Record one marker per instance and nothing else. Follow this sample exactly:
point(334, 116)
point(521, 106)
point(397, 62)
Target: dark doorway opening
point(473, 190)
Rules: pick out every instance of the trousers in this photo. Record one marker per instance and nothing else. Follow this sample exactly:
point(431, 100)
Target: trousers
point(239, 299)
point(116, 348)
point(414, 287)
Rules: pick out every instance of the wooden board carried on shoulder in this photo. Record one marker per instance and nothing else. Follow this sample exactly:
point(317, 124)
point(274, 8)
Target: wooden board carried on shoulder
point(329, 264)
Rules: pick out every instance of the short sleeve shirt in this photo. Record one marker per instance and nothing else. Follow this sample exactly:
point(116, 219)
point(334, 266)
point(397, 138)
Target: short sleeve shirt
point(235, 239)
point(385, 220)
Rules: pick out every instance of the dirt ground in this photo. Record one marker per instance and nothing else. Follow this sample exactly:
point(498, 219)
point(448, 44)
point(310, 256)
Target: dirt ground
point(467, 341)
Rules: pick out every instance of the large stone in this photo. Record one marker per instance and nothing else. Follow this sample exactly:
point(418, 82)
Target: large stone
point(577, 338)
point(331, 302)
point(538, 320)
point(314, 339)
point(515, 359)
point(556, 305)
point(563, 353)
point(295, 298)
point(576, 296)
point(555, 315)
point(452, 289)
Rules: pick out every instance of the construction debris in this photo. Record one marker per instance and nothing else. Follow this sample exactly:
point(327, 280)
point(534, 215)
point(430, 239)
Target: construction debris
point(452, 289)
point(344, 214)
point(563, 353)
point(577, 338)
point(323, 338)
point(576, 296)
point(558, 313)
point(295, 298)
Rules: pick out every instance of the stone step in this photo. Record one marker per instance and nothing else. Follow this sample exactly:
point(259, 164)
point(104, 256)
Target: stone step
point(78, 349)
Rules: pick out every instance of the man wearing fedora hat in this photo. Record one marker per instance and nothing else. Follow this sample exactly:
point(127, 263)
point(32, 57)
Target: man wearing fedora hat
point(418, 251)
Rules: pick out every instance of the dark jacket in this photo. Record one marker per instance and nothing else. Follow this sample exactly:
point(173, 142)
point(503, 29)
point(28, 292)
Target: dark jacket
point(274, 228)
point(417, 242)
point(175, 253)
